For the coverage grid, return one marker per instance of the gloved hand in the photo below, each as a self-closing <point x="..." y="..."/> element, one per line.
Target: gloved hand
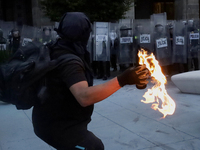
<point x="134" y="75"/>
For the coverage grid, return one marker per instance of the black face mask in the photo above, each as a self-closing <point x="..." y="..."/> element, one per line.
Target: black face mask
<point x="74" y="30"/>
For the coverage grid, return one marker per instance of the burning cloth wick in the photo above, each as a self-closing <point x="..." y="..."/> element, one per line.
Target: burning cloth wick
<point x="157" y="95"/>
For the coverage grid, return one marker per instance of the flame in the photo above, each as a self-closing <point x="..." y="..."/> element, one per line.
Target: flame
<point x="157" y="94"/>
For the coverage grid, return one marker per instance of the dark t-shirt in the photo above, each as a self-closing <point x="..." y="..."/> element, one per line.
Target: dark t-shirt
<point x="61" y="114"/>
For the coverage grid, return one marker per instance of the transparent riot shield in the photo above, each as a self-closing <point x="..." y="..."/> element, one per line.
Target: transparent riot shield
<point x="113" y="36"/>
<point x="7" y="27"/>
<point x="54" y="33"/>
<point x="179" y="54"/>
<point x="4" y="53"/>
<point x="47" y="34"/>
<point x="101" y="41"/>
<point x="160" y="18"/>
<point x="114" y="45"/>
<point x="90" y="46"/>
<point x="143" y="34"/>
<point x="125" y="55"/>
<point x="28" y="34"/>
<point x="162" y="44"/>
<point x="193" y="44"/>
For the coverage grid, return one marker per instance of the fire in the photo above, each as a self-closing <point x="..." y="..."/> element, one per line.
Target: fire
<point x="157" y="94"/>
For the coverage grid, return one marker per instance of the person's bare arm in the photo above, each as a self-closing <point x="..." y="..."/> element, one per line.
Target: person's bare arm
<point x="86" y="95"/>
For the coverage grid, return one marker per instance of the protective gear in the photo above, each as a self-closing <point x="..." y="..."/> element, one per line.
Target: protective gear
<point x="102" y="42"/>
<point x="47" y="28"/>
<point x="179" y="53"/>
<point x="142" y="37"/>
<point x="162" y="45"/>
<point x="193" y="44"/>
<point x="2" y="39"/>
<point x="46" y="35"/>
<point x="1" y="33"/>
<point x="138" y="76"/>
<point x="141" y="86"/>
<point x="74" y="31"/>
<point x="125" y="34"/>
<point x="28" y="34"/>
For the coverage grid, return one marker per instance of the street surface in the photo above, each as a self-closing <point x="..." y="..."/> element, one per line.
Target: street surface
<point x="122" y="121"/>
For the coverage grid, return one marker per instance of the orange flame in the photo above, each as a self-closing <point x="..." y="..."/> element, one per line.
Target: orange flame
<point x="157" y="94"/>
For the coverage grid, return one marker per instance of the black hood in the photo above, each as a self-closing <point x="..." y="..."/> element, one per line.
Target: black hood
<point x="75" y="27"/>
<point x="74" y="31"/>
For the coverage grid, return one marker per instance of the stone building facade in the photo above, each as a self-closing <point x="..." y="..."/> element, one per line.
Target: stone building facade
<point x="176" y="9"/>
<point x="28" y="11"/>
<point x="186" y="9"/>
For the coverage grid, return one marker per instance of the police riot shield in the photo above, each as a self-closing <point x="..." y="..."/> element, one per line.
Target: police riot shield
<point x="179" y="54"/>
<point x="114" y="39"/>
<point x="90" y="46"/>
<point x="101" y="41"/>
<point x="47" y="34"/>
<point x="162" y="44"/>
<point x="4" y="52"/>
<point x="54" y="33"/>
<point x="125" y="55"/>
<point x="3" y="31"/>
<point x="28" y="34"/>
<point x="142" y="34"/>
<point x="160" y="18"/>
<point x="113" y="33"/>
<point x="193" y="44"/>
<point x="7" y="27"/>
<point x="3" y="41"/>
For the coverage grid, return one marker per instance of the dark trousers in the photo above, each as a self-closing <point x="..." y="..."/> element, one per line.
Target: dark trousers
<point x="103" y="69"/>
<point x="90" y="142"/>
<point x="113" y="61"/>
<point x="195" y="63"/>
<point x="83" y="140"/>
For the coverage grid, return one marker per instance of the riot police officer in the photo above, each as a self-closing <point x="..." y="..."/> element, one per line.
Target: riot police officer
<point x="114" y="48"/>
<point x="2" y="39"/>
<point x="46" y="35"/>
<point x="14" y="40"/>
<point x="125" y="55"/>
<point x="3" y="49"/>
<point x="136" y="42"/>
<point x="162" y="48"/>
<point x="194" y="39"/>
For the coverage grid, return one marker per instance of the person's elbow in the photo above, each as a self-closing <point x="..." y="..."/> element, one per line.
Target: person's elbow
<point x="83" y="101"/>
<point x="81" y="93"/>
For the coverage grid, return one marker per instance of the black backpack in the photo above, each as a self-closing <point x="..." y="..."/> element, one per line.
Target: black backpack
<point x="22" y="78"/>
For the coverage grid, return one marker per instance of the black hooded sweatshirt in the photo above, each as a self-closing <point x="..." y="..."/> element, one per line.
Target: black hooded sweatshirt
<point x="61" y="117"/>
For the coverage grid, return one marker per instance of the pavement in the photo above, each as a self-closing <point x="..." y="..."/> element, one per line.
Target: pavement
<point x="121" y="121"/>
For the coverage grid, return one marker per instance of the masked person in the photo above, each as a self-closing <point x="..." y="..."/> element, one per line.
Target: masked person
<point x="61" y="121"/>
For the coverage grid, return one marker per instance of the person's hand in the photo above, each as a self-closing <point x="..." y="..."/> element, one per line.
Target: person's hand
<point x="134" y="75"/>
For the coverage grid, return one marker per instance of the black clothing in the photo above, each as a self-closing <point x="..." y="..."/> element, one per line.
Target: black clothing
<point x="15" y="44"/>
<point x="61" y="121"/>
<point x="62" y="117"/>
<point x="114" y="49"/>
